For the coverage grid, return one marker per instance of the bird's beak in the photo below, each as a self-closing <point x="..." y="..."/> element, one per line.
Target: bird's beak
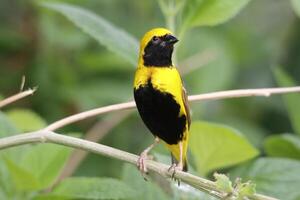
<point x="171" y="39"/>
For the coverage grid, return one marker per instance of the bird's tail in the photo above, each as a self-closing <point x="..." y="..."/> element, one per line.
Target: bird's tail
<point x="185" y="165"/>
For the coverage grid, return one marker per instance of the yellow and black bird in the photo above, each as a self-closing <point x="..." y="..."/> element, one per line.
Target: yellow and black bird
<point x="161" y="98"/>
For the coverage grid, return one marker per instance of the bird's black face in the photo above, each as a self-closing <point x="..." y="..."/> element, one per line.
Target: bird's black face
<point x="158" y="51"/>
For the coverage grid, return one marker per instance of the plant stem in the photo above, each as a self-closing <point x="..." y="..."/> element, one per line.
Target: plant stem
<point x="16" y="97"/>
<point x="44" y="136"/>
<point x="266" y="92"/>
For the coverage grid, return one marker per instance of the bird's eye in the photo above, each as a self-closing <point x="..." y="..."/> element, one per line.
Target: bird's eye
<point x="155" y="38"/>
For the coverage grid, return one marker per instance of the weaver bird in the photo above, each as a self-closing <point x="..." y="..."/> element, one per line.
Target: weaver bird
<point x="161" y="98"/>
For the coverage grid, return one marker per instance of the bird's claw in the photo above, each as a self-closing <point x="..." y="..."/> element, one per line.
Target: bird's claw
<point x="175" y="167"/>
<point x="142" y="165"/>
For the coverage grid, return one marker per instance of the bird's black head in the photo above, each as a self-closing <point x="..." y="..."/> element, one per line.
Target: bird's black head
<point x="158" y="51"/>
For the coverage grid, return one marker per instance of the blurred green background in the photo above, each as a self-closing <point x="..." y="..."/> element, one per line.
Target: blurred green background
<point x="257" y="46"/>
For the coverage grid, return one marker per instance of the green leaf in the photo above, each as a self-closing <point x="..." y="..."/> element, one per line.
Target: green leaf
<point x="26" y="120"/>
<point x="93" y="188"/>
<point x="6" y="181"/>
<point x="22" y="179"/>
<point x="65" y="37"/>
<point x="223" y="183"/>
<point x="114" y="38"/>
<point x="45" y="161"/>
<point x="216" y="146"/>
<point x="211" y="12"/>
<point x="221" y="65"/>
<point x="145" y="190"/>
<point x="251" y="130"/>
<point x="2" y="194"/>
<point x="87" y="95"/>
<point x="39" y="167"/>
<point x="291" y="100"/>
<point x="94" y="62"/>
<point x="246" y="190"/>
<point x="7" y="128"/>
<point x="296" y="6"/>
<point x="285" y="145"/>
<point x="273" y="176"/>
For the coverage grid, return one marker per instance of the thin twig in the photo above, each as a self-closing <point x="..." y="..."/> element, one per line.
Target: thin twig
<point x="162" y="169"/>
<point x="23" y="80"/>
<point x="90" y="113"/>
<point x="16" y="97"/>
<point x="265" y="92"/>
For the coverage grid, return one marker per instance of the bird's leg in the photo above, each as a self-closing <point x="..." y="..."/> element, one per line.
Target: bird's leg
<point x="144" y="155"/>
<point x="179" y="165"/>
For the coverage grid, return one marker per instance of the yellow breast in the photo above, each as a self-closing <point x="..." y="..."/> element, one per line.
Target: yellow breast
<point x="165" y="79"/>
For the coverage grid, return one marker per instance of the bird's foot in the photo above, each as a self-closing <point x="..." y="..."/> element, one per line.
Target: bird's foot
<point x="175" y="167"/>
<point x="142" y="165"/>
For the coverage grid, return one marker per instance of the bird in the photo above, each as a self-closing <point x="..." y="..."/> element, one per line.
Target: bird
<point x="161" y="98"/>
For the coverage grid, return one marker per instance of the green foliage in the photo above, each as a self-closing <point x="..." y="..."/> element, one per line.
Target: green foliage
<point x="92" y="188"/>
<point x="273" y="176"/>
<point x="6" y="126"/>
<point x="223" y="182"/>
<point x="296" y="6"/>
<point x="285" y="145"/>
<point x="144" y="189"/>
<point x="40" y="165"/>
<point x="22" y="179"/>
<point x="200" y="79"/>
<point x="212" y="12"/>
<point x="216" y="146"/>
<point x="291" y="100"/>
<point x="45" y="167"/>
<point x="26" y="120"/>
<point x="239" y="191"/>
<point x="104" y="32"/>
<point x="245" y="190"/>
<point x="74" y="73"/>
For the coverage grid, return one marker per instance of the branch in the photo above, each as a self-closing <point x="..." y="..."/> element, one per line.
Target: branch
<point x="162" y="169"/>
<point x="266" y="92"/>
<point x="16" y="97"/>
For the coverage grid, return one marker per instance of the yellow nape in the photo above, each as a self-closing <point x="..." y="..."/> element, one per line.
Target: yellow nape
<point x="153" y="32"/>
